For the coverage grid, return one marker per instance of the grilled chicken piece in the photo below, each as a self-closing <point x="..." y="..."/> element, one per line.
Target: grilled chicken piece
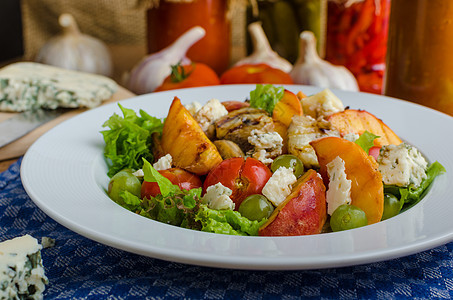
<point x="237" y="126"/>
<point x="303" y="130"/>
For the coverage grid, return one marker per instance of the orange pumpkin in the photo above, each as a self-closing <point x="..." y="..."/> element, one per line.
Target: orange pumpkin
<point x="255" y="73"/>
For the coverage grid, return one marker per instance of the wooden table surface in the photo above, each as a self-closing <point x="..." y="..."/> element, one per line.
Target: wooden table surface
<point x="4" y="165"/>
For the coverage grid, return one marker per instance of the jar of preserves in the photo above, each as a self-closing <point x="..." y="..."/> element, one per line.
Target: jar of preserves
<point x="284" y="20"/>
<point x="357" y="32"/>
<point x="169" y="19"/>
<point x="420" y="61"/>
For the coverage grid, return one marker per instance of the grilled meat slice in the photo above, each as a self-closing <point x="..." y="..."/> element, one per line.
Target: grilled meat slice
<point x="237" y="126"/>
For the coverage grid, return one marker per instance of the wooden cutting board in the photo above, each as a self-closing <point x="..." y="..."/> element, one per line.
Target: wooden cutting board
<point x="20" y="146"/>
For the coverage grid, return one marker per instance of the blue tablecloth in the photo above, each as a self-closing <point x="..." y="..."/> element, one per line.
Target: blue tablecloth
<point x="79" y="268"/>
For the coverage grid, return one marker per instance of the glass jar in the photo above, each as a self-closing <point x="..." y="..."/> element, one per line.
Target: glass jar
<point x="169" y="19"/>
<point x="284" y="20"/>
<point x="420" y="60"/>
<point x="357" y="32"/>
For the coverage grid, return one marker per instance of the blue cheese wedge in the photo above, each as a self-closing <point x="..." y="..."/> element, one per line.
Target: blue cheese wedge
<point x="402" y="165"/>
<point x="21" y="270"/>
<point x="26" y="85"/>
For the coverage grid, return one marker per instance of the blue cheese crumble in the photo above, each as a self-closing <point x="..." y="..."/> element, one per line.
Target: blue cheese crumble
<point x="164" y="163"/>
<point x="209" y="113"/>
<point x="279" y="186"/>
<point x="268" y="145"/>
<point x="26" y="85"/>
<point x="402" y="165"/>
<point x="217" y="196"/>
<point x="21" y="270"/>
<point x="339" y="189"/>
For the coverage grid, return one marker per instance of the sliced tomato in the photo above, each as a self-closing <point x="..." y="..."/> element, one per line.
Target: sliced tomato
<point x="180" y="177"/>
<point x="374" y="151"/>
<point x="244" y="177"/>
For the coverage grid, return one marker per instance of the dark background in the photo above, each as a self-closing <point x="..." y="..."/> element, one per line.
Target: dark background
<point x="10" y="30"/>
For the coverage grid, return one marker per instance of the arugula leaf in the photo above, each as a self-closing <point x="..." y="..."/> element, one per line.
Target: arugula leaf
<point x="128" y="139"/>
<point x="366" y="140"/>
<point x="266" y="97"/>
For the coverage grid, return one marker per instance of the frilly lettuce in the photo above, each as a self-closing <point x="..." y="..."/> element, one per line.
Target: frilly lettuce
<point x="183" y="208"/>
<point x="129" y="139"/>
<point x="226" y="222"/>
<point x="266" y="97"/>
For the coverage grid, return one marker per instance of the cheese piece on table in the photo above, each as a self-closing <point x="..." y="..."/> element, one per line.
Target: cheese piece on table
<point x="27" y="85"/>
<point x="21" y="270"/>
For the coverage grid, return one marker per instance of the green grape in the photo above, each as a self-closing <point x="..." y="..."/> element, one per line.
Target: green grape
<point x="289" y="161"/>
<point x="392" y="206"/>
<point x="123" y="181"/>
<point x="347" y="217"/>
<point x="256" y="207"/>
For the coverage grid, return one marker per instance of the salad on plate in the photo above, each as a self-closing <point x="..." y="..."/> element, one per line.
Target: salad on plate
<point x="276" y="164"/>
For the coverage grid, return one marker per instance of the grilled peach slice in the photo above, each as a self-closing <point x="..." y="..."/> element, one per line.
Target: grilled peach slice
<point x="357" y="121"/>
<point x="303" y="212"/>
<point x="367" y="191"/>
<point x="186" y="142"/>
<point x="283" y="112"/>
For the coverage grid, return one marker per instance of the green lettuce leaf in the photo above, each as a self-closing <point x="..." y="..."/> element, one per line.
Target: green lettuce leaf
<point x="151" y="175"/>
<point x="130" y="201"/>
<point x="266" y="97"/>
<point x="226" y="222"/>
<point x="182" y="208"/>
<point x="129" y="139"/>
<point x="366" y="140"/>
<point x="174" y="206"/>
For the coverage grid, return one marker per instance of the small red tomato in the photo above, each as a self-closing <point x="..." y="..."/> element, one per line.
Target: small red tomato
<point x="374" y="151"/>
<point x="255" y="73"/>
<point x="244" y="177"/>
<point x="185" y="180"/>
<point x="193" y="75"/>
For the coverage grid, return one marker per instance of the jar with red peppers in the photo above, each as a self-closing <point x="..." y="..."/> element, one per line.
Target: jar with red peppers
<point x="357" y="32"/>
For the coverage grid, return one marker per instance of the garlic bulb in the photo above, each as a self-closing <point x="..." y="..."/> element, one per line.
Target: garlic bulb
<point x="310" y="69"/>
<point x="262" y="51"/>
<point x="151" y="71"/>
<point x="75" y="51"/>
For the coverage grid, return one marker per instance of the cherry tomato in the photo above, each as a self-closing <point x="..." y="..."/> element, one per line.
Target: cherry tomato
<point x="193" y="75"/>
<point x="374" y="151"/>
<point x="255" y="73"/>
<point x="185" y="180"/>
<point x="244" y="177"/>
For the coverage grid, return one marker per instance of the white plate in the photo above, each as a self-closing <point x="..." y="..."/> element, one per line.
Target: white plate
<point x="64" y="173"/>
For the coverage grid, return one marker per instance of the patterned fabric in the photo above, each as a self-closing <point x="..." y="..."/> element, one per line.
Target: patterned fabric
<point x="79" y="268"/>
